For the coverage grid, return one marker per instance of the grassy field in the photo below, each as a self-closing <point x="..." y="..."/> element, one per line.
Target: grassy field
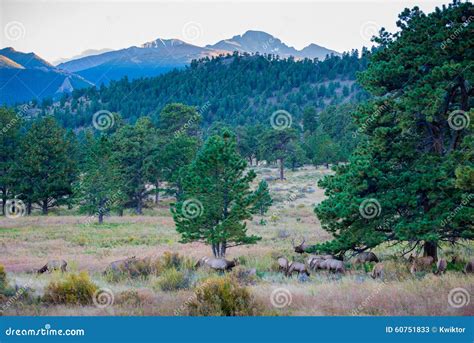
<point x="27" y="243"/>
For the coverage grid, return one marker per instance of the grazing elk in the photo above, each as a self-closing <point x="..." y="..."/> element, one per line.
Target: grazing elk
<point x="441" y="266"/>
<point x="420" y="263"/>
<point x="126" y="265"/>
<point x="335" y="266"/>
<point x="297" y="267"/>
<point x="218" y="264"/>
<point x="301" y="248"/>
<point x="378" y="271"/>
<point x="469" y="267"/>
<point x="366" y="256"/>
<point x="283" y="265"/>
<point x="53" y="265"/>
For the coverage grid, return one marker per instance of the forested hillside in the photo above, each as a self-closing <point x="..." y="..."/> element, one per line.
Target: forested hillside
<point x="237" y="90"/>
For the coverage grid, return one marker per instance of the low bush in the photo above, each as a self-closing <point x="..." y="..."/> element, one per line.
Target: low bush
<point x="173" y="280"/>
<point x="76" y="289"/>
<point x="245" y="276"/>
<point x="222" y="296"/>
<point x="5" y="289"/>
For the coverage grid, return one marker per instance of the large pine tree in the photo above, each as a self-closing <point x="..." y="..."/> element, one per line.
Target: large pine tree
<point x="217" y="199"/>
<point x="411" y="179"/>
<point x="45" y="169"/>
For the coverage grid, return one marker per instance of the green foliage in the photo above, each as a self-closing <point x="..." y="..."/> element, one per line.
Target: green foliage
<point x="277" y="145"/>
<point x="264" y="200"/>
<point x="74" y="289"/>
<point x="217" y="199"/>
<point x="222" y="297"/>
<point x="99" y="186"/>
<point x="132" y="147"/>
<point x="411" y="159"/>
<point x="254" y="87"/>
<point x="10" y="124"/>
<point x="173" y="280"/>
<point x="45" y="169"/>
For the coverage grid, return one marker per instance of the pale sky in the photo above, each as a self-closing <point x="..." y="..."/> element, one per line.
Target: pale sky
<point x="61" y="29"/>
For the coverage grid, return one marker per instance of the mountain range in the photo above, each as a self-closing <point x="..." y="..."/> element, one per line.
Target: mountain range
<point x="24" y="76"/>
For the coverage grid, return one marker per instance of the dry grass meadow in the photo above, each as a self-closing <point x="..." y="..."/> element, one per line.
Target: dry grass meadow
<point x="27" y="243"/>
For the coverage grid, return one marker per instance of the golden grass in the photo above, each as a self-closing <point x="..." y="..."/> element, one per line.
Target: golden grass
<point x="27" y="243"/>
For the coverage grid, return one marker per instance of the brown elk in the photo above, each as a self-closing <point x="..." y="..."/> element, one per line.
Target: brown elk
<point x="378" y="271"/>
<point x="127" y="265"/>
<point x="420" y="263"/>
<point x="53" y="265"/>
<point x="301" y="248"/>
<point x="366" y="256"/>
<point x="441" y="266"/>
<point x="335" y="266"/>
<point x="469" y="267"/>
<point x="283" y="264"/>
<point x="218" y="264"/>
<point x="297" y="267"/>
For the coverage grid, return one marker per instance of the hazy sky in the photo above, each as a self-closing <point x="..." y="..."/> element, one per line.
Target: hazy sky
<point x="58" y="29"/>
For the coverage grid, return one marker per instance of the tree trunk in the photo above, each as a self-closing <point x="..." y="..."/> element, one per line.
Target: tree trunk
<point x="157" y="194"/>
<point x="120" y="212"/>
<point x="282" y="176"/>
<point x="101" y="217"/>
<point x="4" y="201"/>
<point x="223" y="249"/>
<point x="250" y="161"/>
<point x="28" y="208"/>
<point x="45" y="207"/>
<point x="139" y="208"/>
<point x="430" y="248"/>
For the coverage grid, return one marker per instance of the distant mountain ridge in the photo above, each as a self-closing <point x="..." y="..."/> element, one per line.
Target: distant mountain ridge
<point x="262" y="42"/>
<point x="25" y="76"/>
<point x="161" y="55"/>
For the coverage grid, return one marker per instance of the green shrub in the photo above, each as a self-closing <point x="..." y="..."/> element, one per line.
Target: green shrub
<point x="173" y="280"/>
<point x="75" y="289"/>
<point x="222" y="297"/>
<point x="174" y="260"/>
<point x="3" y="278"/>
<point x="5" y="289"/>
<point x="245" y="276"/>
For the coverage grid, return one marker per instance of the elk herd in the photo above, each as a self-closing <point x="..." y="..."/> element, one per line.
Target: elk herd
<point x="312" y="263"/>
<point x="334" y="264"/>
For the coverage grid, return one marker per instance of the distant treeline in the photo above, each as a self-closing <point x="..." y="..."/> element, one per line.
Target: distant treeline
<point x="238" y="90"/>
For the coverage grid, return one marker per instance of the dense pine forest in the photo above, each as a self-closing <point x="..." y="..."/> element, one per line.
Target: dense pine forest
<point x="234" y="89"/>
